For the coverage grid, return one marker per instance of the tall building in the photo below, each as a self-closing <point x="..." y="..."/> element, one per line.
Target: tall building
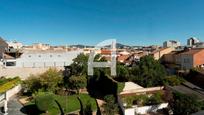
<point x="192" y="41"/>
<point x="171" y="43"/>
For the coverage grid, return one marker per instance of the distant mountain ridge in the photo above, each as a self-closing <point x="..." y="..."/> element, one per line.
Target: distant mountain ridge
<point x="118" y="45"/>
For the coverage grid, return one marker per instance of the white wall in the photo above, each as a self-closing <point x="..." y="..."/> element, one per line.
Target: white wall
<point x="153" y="108"/>
<point x="46" y="59"/>
<point x="144" y="109"/>
<point x="129" y="111"/>
<point x="13" y="91"/>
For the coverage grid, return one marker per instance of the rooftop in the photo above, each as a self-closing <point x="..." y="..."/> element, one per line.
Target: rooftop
<point x="131" y="86"/>
<point x="193" y="51"/>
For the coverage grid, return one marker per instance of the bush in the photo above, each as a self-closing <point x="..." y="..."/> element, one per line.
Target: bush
<point x="185" y="104"/>
<point x="47" y="81"/>
<point x="173" y="80"/>
<point x="9" y="83"/>
<point x="155" y="99"/>
<point x="110" y="107"/>
<point x="88" y="109"/>
<point x="44" y="101"/>
<point x="120" y="87"/>
<point x="77" y="82"/>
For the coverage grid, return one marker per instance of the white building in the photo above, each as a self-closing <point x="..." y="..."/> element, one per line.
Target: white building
<point x="192" y="41"/>
<point x="41" y="46"/>
<point x="171" y="43"/>
<point x="42" y="59"/>
<point x="15" y="45"/>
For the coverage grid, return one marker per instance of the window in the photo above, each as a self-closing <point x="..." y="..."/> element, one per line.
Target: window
<point x="59" y="55"/>
<point x="186" y="60"/>
<point x="29" y="56"/>
<point x="39" y="56"/>
<point x="50" y="55"/>
<point x="10" y="63"/>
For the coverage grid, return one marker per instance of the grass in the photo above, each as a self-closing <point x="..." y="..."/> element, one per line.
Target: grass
<point x="121" y="85"/>
<point x="69" y="103"/>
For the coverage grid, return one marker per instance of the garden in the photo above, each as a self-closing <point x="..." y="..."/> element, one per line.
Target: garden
<point x="143" y="99"/>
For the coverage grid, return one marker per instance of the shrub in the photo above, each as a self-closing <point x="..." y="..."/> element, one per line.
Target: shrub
<point x="47" y="81"/>
<point x="44" y="101"/>
<point x="9" y="83"/>
<point x="185" y="104"/>
<point x="120" y="87"/>
<point x="88" y="109"/>
<point x="77" y="82"/>
<point x="110" y="107"/>
<point x="173" y="80"/>
<point x="155" y="99"/>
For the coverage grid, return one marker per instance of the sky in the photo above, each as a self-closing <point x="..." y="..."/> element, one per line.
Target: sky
<point x="131" y="22"/>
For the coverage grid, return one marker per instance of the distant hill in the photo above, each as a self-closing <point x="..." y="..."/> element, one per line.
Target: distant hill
<point x="118" y="45"/>
<point x="81" y="46"/>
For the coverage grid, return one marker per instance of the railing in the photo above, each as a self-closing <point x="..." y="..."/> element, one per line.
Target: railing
<point x="2" y="97"/>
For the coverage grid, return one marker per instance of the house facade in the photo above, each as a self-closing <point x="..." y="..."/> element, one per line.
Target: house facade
<point x="186" y="59"/>
<point x="157" y="54"/>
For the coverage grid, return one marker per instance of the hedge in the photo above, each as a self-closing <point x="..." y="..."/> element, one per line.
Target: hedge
<point x="9" y="84"/>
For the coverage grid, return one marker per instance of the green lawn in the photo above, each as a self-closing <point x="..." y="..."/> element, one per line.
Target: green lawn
<point x="70" y="103"/>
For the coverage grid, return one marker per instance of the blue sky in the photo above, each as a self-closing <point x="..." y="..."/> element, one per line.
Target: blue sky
<point x="133" y="22"/>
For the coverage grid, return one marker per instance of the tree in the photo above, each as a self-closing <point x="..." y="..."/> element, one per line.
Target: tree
<point x="148" y="72"/>
<point x="50" y="80"/>
<point x="79" y="65"/>
<point x="77" y="82"/>
<point x="110" y="107"/>
<point x="184" y="104"/>
<point x="32" y="84"/>
<point x="47" y="81"/>
<point x="173" y="80"/>
<point x="66" y="75"/>
<point x="122" y="73"/>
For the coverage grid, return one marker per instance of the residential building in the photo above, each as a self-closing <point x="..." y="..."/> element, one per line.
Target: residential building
<point x="192" y="41"/>
<point x="157" y="54"/>
<point x="192" y="58"/>
<point x="186" y="59"/>
<point x="15" y="45"/>
<point x="200" y="45"/>
<point x="171" y="43"/>
<point x="40" y="46"/>
<point x="3" y="47"/>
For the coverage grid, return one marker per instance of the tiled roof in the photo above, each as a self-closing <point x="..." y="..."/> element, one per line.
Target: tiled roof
<point x="192" y="51"/>
<point x="122" y="57"/>
<point x="6" y="56"/>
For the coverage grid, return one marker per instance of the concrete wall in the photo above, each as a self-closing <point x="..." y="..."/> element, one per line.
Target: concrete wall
<point x="40" y="59"/>
<point x="13" y="91"/>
